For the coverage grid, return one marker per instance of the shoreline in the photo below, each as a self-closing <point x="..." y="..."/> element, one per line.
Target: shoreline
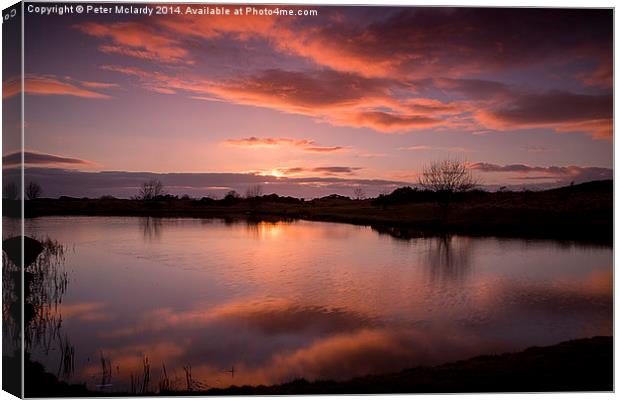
<point x="574" y="365"/>
<point x="580" y="213"/>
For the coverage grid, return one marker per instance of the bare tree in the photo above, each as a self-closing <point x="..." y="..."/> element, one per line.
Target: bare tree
<point x="232" y="195"/>
<point x="446" y="178"/>
<point x="10" y="191"/>
<point x="33" y="191"/>
<point x="359" y="194"/>
<point x="151" y="189"/>
<point x="254" y="192"/>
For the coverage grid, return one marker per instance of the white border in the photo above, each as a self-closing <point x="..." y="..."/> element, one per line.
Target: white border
<point x="490" y="3"/>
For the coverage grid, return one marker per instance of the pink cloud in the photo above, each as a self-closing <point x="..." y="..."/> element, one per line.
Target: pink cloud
<point x="300" y="144"/>
<point x="99" y="85"/>
<point x="47" y="86"/>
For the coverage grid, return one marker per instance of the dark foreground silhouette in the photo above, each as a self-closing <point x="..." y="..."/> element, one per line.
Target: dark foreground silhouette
<point x="577" y="365"/>
<point x="582" y="212"/>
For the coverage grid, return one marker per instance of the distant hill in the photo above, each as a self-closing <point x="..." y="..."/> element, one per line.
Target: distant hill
<point x="606" y="185"/>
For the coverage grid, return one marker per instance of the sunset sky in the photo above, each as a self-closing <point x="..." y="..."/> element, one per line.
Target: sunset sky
<point x="316" y="104"/>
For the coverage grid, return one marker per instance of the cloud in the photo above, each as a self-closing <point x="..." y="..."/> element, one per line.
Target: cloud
<point x="99" y="85"/>
<point x="476" y="89"/>
<point x="559" y="110"/>
<point x="322" y="171"/>
<point x="136" y="39"/>
<point x="307" y="93"/>
<point x="35" y="158"/>
<point x="275" y="316"/>
<point x="359" y="71"/>
<point x="306" y="183"/>
<point x="334" y="97"/>
<point x="332" y="149"/>
<point x="46" y="86"/>
<point x="536" y="149"/>
<point x="439" y="41"/>
<point x="86" y="312"/>
<point x="301" y="144"/>
<point x="416" y="148"/>
<point x="559" y="174"/>
<point x="389" y="122"/>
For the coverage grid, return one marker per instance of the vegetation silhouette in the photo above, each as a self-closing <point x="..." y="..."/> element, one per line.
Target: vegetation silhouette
<point x="580" y="212"/>
<point x="446" y="178"/>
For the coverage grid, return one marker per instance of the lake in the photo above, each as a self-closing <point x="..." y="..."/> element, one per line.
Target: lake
<point x="226" y="303"/>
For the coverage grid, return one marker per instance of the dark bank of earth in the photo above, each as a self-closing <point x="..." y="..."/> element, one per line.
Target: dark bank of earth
<point x="581" y="212"/>
<point x="576" y="365"/>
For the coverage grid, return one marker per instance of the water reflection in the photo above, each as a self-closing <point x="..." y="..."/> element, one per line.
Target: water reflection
<point x="45" y="283"/>
<point x="214" y="303"/>
<point x="151" y="228"/>
<point x="449" y="258"/>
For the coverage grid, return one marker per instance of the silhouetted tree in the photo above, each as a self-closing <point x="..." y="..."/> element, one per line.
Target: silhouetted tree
<point x="33" y="191"/>
<point x="446" y="178"/>
<point x="231" y="197"/>
<point x="253" y="192"/>
<point x="10" y="191"/>
<point x="359" y="194"/>
<point x="151" y="189"/>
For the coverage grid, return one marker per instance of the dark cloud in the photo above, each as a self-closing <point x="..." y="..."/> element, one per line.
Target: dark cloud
<point x="31" y="157"/>
<point x="63" y="182"/>
<point x="561" y="110"/>
<point x="323" y="171"/>
<point x="457" y="41"/>
<point x="383" y="121"/>
<point x="559" y="174"/>
<point x="478" y="89"/>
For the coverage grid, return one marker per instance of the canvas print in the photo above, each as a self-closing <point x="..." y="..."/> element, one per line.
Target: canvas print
<point x="254" y="199"/>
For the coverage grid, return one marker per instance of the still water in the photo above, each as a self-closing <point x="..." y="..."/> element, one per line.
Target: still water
<point x="260" y="303"/>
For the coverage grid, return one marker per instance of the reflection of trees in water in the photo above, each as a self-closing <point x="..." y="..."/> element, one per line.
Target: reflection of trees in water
<point x="45" y="283"/>
<point x="43" y="294"/>
<point x="258" y="228"/>
<point x="449" y="258"/>
<point x="151" y="228"/>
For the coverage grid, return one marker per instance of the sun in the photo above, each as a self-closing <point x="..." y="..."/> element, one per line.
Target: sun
<point x="276" y="172"/>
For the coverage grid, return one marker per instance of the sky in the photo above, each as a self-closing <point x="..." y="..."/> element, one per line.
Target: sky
<point x="312" y="105"/>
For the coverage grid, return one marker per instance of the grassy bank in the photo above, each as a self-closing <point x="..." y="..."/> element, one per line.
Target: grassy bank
<point x="581" y="212"/>
<point x="577" y="365"/>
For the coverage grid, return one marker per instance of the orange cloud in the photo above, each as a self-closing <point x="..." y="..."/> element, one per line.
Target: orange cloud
<point x="366" y="75"/>
<point x="389" y="122"/>
<point x="136" y="39"/>
<point x="334" y="97"/>
<point x="447" y="42"/>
